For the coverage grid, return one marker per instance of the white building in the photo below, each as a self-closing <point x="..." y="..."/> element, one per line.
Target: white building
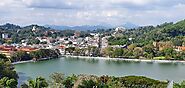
<point x="4" y="36"/>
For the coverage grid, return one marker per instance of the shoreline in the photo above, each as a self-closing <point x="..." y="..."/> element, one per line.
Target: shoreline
<point x="20" y="62"/>
<point x="127" y="59"/>
<point x="107" y="58"/>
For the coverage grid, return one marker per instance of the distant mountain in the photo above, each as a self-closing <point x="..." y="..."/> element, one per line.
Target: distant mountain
<point x="9" y="26"/>
<point x="81" y="28"/>
<point x="127" y="25"/>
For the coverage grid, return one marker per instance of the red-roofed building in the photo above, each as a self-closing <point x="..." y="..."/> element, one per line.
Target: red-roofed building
<point x="180" y="48"/>
<point x="27" y="49"/>
<point x="61" y="48"/>
<point x="7" y="50"/>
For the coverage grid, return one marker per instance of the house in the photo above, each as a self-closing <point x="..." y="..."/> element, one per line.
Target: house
<point x="27" y="49"/>
<point x="61" y="48"/>
<point x="180" y="48"/>
<point x="162" y="45"/>
<point x="7" y="50"/>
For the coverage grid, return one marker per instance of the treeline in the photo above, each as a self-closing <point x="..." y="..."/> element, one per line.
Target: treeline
<point x="145" y="52"/>
<point x="88" y="51"/>
<point x="58" y="80"/>
<point x="34" y="55"/>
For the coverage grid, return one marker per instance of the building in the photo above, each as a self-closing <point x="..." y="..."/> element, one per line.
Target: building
<point x="180" y="48"/>
<point x="34" y="29"/>
<point x="120" y="29"/>
<point x="27" y="49"/>
<point x="61" y="48"/>
<point x="5" y="36"/>
<point x="7" y="50"/>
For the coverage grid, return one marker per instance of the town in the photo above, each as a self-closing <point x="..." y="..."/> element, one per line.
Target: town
<point x="97" y="43"/>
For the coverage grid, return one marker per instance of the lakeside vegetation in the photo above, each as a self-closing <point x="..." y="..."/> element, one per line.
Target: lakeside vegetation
<point x="8" y="75"/>
<point x="34" y="55"/>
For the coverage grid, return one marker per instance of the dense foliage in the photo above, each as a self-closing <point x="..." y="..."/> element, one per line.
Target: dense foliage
<point x="17" y="33"/>
<point x="35" y="55"/>
<point x="146" y="35"/>
<point x="179" y="85"/>
<point x="8" y="76"/>
<point x="167" y="36"/>
<point x="58" y="80"/>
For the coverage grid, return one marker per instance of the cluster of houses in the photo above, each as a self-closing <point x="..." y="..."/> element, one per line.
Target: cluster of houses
<point x="60" y="43"/>
<point x="163" y="45"/>
<point x="8" y="50"/>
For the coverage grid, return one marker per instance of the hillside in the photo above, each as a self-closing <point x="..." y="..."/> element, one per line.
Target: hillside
<point x="174" y="32"/>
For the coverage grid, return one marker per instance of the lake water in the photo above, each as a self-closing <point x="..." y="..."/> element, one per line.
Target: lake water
<point x="68" y="66"/>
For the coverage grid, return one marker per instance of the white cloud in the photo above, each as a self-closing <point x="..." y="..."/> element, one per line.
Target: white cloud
<point x="81" y="12"/>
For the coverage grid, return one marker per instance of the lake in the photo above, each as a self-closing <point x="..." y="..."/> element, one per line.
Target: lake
<point x="69" y="66"/>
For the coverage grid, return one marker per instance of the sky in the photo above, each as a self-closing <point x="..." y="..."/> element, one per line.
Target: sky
<point x="91" y="12"/>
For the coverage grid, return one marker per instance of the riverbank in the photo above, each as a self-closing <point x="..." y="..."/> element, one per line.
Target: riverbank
<point x="20" y="62"/>
<point x="127" y="59"/>
<point x="107" y="58"/>
<point x="28" y="61"/>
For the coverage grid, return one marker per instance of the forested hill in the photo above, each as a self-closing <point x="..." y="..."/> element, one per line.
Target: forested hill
<point x="141" y="36"/>
<point x="9" y="26"/>
<point x="177" y="29"/>
<point x="29" y="33"/>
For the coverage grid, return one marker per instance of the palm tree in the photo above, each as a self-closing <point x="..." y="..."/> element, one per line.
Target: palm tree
<point x="57" y="80"/>
<point x="39" y="82"/>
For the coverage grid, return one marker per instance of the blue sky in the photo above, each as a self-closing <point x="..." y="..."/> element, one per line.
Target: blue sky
<point x="91" y="12"/>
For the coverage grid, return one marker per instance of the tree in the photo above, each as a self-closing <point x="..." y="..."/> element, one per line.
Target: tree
<point x="69" y="81"/>
<point x="88" y="84"/>
<point x="7" y="70"/>
<point x="108" y="51"/>
<point x="180" y="85"/>
<point x="131" y="47"/>
<point x="12" y="83"/>
<point x="20" y="56"/>
<point x="137" y="52"/>
<point x="57" y="80"/>
<point x="169" y="52"/>
<point x="177" y="42"/>
<point x="4" y="58"/>
<point x="149" y="49"/>
<point x="39" y="82"/>
<point x="141" y="82"/>
<point x="24" y="85"/>
<point x="8" y="83"/>
<point x="118" y="52"/>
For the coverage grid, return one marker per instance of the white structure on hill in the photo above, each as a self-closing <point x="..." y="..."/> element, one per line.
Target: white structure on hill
<point x="34" y="28"/>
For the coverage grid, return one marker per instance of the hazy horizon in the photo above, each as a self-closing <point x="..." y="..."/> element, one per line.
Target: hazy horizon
<point x="91" y="12"/>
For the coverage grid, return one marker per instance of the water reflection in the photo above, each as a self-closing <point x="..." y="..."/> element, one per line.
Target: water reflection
<point x="91" y="61"/>
<point x="22" y="78"/>
<point x="119" y="62"/>
<point x="168" y="64"/>
<point x="150" y="62"/>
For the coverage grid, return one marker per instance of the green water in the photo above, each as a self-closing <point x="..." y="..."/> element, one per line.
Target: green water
<point x="68" y="66"/>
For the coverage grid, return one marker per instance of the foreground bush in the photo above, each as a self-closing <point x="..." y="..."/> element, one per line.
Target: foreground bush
<point x="58" y="80"/>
